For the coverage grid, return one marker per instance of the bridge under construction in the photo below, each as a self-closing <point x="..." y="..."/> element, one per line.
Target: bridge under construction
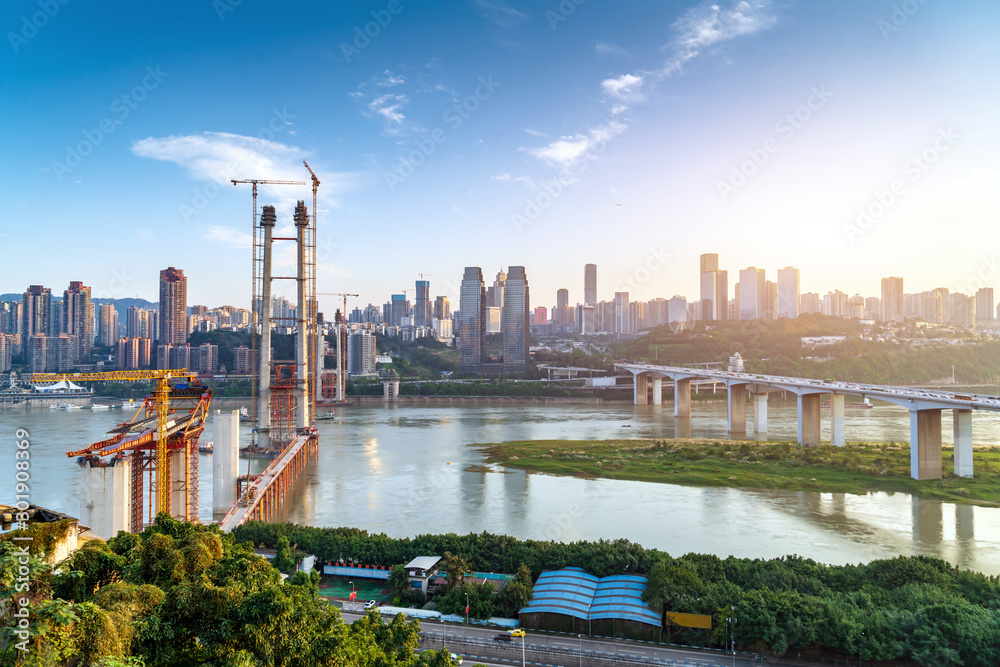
<point x="150" y="465"/>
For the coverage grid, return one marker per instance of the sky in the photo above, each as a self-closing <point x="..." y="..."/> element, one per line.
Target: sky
<point x="854" y="140"/>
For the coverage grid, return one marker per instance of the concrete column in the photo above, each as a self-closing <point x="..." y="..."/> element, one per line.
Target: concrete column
<point x="302" y="417"/>
<point x="760" y="413"/>
<point x="682" y="398"/>
<point x="104" y="496"/>
<point x="809" y="429"/>
<point x="178" y="482"/>
<point x="268" y="219"/>
<point x="737" y="399"/>
<point x="962" y="421"/>
<point x="657" y="391"/>
<point x="225" y="460"/>
<point x="925" y="444"/>
<point x="682" y="427"/>
<point x="640" y="387"/>
<point x="837" y="420"/>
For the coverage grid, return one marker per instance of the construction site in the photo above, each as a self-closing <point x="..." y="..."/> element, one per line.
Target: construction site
<point x="150" y="464"/>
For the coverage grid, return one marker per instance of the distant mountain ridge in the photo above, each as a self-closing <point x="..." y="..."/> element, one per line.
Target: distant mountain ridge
<point x="121" y="305"/>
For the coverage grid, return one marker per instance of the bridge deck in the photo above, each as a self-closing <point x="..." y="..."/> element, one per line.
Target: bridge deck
<point x="243" y="510"/>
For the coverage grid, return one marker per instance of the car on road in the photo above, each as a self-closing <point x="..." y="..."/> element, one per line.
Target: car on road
<point x="371" y="603"/>
<point x="455" y="658"/>
<point x="502" y="637"/>
<point x="516" y="632"/>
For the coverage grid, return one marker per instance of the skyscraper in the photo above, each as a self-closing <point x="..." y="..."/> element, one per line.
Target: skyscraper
<point x="398" y="309"/>
<point x="590" y="284"/>
<point x="137" y="323"/>
<point x="77" y="319"/>
<point x="498" y="289"/>
<point x="892" y="300"/>
<point x="561" y="315"/>
<point x="108" y="324"/>
<point x="422" y="314"/>
<point x="173" y="307"/>
<point x="472" y="321"/>
<point x="623" y="318"/>
<point x="442" y="308"/>
<point x="788" y="292"/>
<point x="515" y="319"/>
<point x="714" y="288"/>
<point x="984" y="304"/>
<point x="752" y="293"/>
<point x="36" y="313"/>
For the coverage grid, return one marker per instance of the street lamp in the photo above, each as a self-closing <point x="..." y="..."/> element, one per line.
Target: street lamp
<point x="444" y="632"/>
<point x="580" y="637"/>
<point x="732" y="632"/>
<point x="522" y="651"/>
<point x="466" y="608"/>
<point x="352" y="591"/>
<point x="859" y="647"/>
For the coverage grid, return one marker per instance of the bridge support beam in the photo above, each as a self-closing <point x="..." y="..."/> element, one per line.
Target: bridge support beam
<point x="837" y="420"/>
<point x="962" y="421"/>
<point x="809" y="429"/>
<point x="760" y="413"/>
<point x="682" y="398"/>
<point x="737" y="412"/>
<point x="657" y="391"/>
<point x="925" y="444"/>
<point x="640" y="388"/>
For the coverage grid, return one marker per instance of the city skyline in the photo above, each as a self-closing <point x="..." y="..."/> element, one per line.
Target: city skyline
<point x="783" y="126"/>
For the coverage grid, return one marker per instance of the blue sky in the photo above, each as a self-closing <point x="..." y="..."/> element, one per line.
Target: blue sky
<point x="635" y="135"/>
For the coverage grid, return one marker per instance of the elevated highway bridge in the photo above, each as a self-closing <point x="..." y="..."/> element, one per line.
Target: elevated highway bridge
<point x="924" y="405"/>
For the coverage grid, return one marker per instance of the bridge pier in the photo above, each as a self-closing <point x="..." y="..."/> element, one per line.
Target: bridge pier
<point x="809" y="423"/>
<point x="837" y="420"/>
<point x="682" y="398"/>
<point x="925" y="444"/>
<point x="657" y="391"/>
<point x="760" y="413"/>
<point x="640" y="388"/>
<point x="962" y="421"/>
<point x="737" y="399"/>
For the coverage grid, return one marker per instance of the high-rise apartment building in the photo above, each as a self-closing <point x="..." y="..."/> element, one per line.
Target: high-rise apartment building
<point x="788" y="292"/>
<point x="677" y="309"/>
<point x="399" y="308"/>
<point x="984" y="304"/>
<point x="752" y="293"/>
<point x="173" y="307"/>
<point x="809" y="302"/>
<point x="714" y="297"/>
<point x="515" y="320"/>
<point x="623" y="314"/>
<point x="472" y="321"/>
<point x="892" y="300"/>
<point x="561" y="315"/>
<point x="137" y="323"/>
<point x="36" y="314"/>
<point x="422" y="313"/>
<point x="360" y="353"/>
<point x="590" y="284"/>
<point x="78" y="319"/>
<point x="442" y="308"/>
<point x="243" y="359"/>
<point x="108" y="324"/>
<point x="770" y="300"/>
<point x="493" y="319"/>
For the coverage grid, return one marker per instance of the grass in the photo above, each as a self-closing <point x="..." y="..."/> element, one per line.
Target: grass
<point x="857" y="468"/>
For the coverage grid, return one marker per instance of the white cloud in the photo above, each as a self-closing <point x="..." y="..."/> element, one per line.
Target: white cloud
<point x="565" y="150"/>
<point x="220" y="156"/>
<point x="608" y="49"/>
<point x="625" y="87"/>
<point x="710" y="24"/>
<point x="388" y="106"/>
<point x="507" y="178"/>
<point x="229" y="236"/>
<point x="503" y="16"/>
<point x="390" y="80"/>
<point x="536" y="133"/>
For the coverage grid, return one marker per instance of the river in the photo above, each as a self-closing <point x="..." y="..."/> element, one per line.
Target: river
<point x="402" y="470"/>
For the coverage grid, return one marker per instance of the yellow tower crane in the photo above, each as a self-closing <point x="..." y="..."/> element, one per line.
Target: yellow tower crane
<point x="161" y="402"/>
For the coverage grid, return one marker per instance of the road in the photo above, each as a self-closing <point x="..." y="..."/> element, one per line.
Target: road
<point x="566" y="649"/>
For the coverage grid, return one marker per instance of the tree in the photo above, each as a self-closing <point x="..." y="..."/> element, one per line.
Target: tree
<point x="456" y="566"/>
<point x="398" y="581"/>
<point x="283" y="560"/>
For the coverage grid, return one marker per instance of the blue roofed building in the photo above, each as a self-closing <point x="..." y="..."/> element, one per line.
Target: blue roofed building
<point x="572" y="600"/>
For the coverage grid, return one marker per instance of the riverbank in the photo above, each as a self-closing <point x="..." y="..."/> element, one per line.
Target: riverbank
<point x="858" y="468"/>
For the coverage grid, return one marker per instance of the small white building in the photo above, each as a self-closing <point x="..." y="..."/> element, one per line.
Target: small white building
<point x="420" y="570"/>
